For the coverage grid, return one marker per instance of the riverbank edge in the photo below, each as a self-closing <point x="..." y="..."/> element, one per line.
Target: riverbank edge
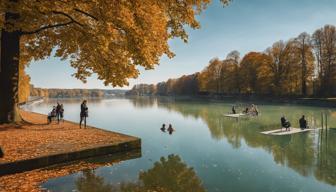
<point x="309" y="101"/>
<point x="129" y="144"/>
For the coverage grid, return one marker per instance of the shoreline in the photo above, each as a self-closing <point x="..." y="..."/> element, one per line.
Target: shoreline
<point x="36" y="144"/>
<point x="308" y="101"/>
<point x="33" y="180"/>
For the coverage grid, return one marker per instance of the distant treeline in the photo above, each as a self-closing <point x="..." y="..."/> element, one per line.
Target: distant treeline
<point x="74" y="93"/>
<point x="185" y="85"/>
<point x="302" y="66"/>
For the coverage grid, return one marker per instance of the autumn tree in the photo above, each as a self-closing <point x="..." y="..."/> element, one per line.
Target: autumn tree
<point x="221" y="76"/>
<point x="296" y="67"/>
<point x="227" y="76"/>
<point x="186" y="85"/>
<point x="305" y="54"/>
<point x="24" y="86"/>
<point x="324" y="42"/>
<point x="277" y="67"/>
<point x="210" y="76"/>
<point x="232" y="62"/>
<point x="161" y="88"/>
<point x="291" y="81"/>
<point x="255" y="79"/>
<point x="107" y="37"/>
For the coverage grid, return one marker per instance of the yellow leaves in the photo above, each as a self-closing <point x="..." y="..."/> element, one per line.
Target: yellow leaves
<point x="108" y="37"/>
<point x="284" y="69"/>
<point x="24" y="86"/>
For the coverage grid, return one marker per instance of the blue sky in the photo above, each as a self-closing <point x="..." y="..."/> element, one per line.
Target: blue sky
<point x="245" y="25"/>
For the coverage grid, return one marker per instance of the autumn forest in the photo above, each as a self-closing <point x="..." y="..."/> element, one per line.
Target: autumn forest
<point x="301" y="66"/>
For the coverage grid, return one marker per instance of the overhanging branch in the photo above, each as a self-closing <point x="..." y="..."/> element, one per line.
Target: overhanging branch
<point x="72" y="20"/>
<point x="86" y="14"/>
<point x="68" y="16"/>
<point x="46" y="27"/>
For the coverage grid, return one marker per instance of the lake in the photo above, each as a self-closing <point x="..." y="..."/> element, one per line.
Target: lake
<point x="207" y="152"/>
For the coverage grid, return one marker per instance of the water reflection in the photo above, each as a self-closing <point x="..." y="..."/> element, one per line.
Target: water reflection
<point x="326" y="157"/>
<point x="87" y="181"/>
<point x="227" y="153"/>
<point x="143" y="102"/>
<point x="90" y="182"/>
<point x="169" y="174"/>
<point x="307" y="153"/>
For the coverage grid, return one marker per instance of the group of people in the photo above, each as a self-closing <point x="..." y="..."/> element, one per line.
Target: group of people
<point x="287" y="125"/>
<point x="57" y="112"/>
<point x="170" y="129"/>
<point x="251" y="110"/>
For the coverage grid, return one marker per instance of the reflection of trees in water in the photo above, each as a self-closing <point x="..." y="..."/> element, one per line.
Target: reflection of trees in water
<point x="185" y="111"/>
<point x="90" y="182"/>
<point x="143" y="102"/>
<point x="326" y="157"/>
<point x="169" y="174"/>
<point x="300" y="152"/>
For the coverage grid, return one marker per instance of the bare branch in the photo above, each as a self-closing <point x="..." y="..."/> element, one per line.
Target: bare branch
<point x="68" y="16"/>
<point x="87" y="14"/>
<point x="72" y="20"/>
<point x="46" y="27"/>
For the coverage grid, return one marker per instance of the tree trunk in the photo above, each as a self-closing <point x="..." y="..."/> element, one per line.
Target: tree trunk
<point x="9" y="76"/>
<point x="304" y="73"/>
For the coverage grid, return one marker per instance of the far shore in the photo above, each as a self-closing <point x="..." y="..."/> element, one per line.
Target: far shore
<point x="307" y="101"/>
<point x="329" y="102"/>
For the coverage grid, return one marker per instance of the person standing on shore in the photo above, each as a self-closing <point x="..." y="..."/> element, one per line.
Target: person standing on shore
<point x="84" y="113"/>
<point x="62" y="113"/>
<point x="58" y="112"/>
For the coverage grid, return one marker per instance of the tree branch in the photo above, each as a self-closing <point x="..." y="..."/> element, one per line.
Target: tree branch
<point x="46" y="27"/>
<point x="68" y="16"/>
<point x="72" y="20"/>
<point x="81" y="11"/>
<point x="87" y="14"/>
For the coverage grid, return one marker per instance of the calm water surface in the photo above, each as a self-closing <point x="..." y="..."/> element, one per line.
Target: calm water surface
<point x="207" y="152"/>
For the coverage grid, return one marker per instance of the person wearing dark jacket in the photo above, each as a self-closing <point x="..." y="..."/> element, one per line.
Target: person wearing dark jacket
<point x="62" y="113"/>
<point x="170" y="129"/>
<point x="163" y="128"/>
<point x="303" y="122"/>
<point x="58" y="112"/>
<point x="233" y="110"/>
<point x="285" y="123"/>
<point x="52" y="114"/>
<point x="84" y="113"/>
